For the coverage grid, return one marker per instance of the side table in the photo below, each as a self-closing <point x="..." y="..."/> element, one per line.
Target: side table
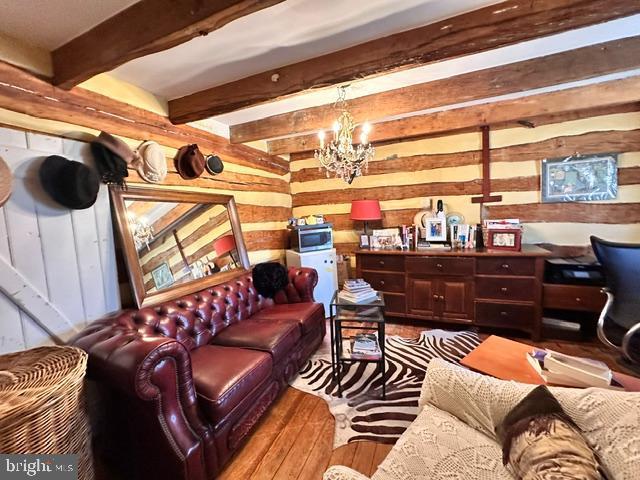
<point x="356" y="316"/>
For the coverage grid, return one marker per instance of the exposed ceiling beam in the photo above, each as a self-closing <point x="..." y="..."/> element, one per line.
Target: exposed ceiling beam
<point x="484" y="29"/>
<point x="24" y="93"/>
<point x="146" y="27"/>
<point x="579" y="64"/>
<point x="600" y="95"/>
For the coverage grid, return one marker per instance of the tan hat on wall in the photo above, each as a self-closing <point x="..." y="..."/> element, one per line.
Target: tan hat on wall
<point x="152" y="166"/>
<point x="6" y="180"/>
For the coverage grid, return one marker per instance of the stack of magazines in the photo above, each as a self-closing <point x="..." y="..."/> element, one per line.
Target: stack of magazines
<point x="365" y="346"/>
<point x="357" y="291"/>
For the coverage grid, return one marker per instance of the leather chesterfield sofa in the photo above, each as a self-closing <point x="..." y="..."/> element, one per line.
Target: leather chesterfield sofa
<point x="182" y="383"/>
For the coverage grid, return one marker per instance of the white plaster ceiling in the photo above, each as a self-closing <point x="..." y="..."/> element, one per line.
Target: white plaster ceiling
<point x="615" y="29"/>
<point x="49" y="24"/>
<point x="286" y="33"/>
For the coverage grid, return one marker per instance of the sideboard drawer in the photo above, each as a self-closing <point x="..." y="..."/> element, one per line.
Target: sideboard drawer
<point x="395" y="303"/>
<point x="387" y="282"/>
<point x="507" y="266"/>
<point x="440" y="265"/>
<point x="505" y="315"/>
<point x="506" y="288"/>
<point x="394" y="263"/>
<point x="581" y="298"/>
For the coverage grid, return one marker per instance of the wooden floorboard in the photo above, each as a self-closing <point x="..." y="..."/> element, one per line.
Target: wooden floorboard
<point x="295" y="439"/>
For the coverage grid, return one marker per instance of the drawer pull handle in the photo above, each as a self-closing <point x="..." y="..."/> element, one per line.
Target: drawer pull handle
<point x="439" y="265"/>
<point x="505" y="266"/>
<point x="381" y="282"/>
<point x="504" y="314"/>
<point x="435" y="297"/>
<point x="441" y="298"/>
<point x="578" y="299"/>
<point x="381" y="263"/>
<point x="504" y="289"/>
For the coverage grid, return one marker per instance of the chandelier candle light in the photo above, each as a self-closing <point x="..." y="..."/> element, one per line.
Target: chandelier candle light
<point x="339" y="155"/>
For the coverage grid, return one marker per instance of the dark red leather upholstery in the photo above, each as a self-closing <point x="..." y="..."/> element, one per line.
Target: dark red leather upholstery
<point x="225" y="376"/>
<point x="307" y="315"/>
<point x="192" y="399"/>
<point x="276" y="338"/>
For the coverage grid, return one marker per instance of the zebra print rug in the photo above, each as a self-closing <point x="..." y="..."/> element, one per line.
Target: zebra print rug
<point x="361" y="414"/>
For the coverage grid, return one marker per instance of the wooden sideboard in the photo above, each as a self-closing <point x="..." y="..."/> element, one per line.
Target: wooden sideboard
<point x="477" y="287"/>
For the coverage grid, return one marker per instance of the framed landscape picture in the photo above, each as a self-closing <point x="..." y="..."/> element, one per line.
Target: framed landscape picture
<point x="162" y="276"/>
<point x="580" y="178"/>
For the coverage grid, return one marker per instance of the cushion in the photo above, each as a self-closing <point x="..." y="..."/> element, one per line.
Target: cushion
<point x="276" y="338"/>
<point x="609" y="420"/>
<point x="439" y="446"/>
<point x="309" y="316"/>
<point x="224" y="377"/>
<point x="540" y="441"/>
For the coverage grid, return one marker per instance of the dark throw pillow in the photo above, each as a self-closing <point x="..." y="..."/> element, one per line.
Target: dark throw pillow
<point x="269" y="278"/>
<point x="540" y="441"/>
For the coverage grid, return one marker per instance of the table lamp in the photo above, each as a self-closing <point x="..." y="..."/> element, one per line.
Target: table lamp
<point x="224" y="245"/>
<point x="365" y="210"/>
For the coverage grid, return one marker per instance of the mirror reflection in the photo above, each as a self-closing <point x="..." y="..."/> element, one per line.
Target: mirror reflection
<point x="180" y="242"/>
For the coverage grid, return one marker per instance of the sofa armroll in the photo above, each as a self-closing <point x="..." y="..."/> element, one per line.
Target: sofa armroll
<point x="152" y="369"/>
<point x="302" y="281"/>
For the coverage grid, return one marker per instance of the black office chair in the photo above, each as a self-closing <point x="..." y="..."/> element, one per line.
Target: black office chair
<point x="619" y="322"/>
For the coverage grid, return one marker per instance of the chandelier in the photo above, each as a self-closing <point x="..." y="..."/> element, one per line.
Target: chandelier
<point x="339" y="155"/>
<point x="142" y="232"/>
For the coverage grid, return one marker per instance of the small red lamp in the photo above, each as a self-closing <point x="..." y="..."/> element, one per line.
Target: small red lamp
<point x="224" y="245"/>
<point x="365" y="210"/>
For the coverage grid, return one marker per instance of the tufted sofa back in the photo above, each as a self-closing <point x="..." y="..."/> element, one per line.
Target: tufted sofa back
<point x="195" y="319"/>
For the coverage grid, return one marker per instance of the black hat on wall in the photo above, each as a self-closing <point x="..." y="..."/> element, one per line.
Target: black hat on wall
<point x="71" y="184"/>
<point x="214" y="164"/>
<point x="111" y="167"/>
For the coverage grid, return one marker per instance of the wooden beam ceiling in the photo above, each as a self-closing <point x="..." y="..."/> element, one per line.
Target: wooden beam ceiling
<point x="529" y="108"/>
<point x="146" y="27"/>
<point x="24" y="93"/>
<point x="484" y="29"/>
<point x="579" y="64"/>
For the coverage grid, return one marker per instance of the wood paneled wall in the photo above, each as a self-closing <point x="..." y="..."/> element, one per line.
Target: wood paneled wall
<point x="405" y="175"/>
<point x="58" y="265"/>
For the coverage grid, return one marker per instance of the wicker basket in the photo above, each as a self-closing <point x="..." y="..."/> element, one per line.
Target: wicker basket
<point x="42" y="404"/>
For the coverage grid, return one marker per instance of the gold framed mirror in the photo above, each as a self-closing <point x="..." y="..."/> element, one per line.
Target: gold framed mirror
<point x="177" y="242"/>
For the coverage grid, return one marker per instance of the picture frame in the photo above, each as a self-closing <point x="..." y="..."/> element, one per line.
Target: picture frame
<point x="579" y="178"/>
<point x="364" y="241"/>
<point x="509" y="239"/>
<point x="162" y="276"/>
<point x="436" y="229"/>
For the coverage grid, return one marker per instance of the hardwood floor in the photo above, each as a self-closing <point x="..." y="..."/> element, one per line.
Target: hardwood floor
<point x="295" y="438"/>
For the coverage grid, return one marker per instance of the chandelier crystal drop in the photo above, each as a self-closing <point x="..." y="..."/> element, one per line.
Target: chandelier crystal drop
<point x="339" y="155"/>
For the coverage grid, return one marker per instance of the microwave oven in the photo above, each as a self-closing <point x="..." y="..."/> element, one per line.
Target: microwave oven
<point x="310" y="238"/>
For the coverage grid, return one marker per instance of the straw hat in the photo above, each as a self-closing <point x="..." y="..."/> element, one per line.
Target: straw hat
<point x="5" y="182"/>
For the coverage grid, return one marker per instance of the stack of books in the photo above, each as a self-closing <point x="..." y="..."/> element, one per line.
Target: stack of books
<point x="364" y="346"/>
<point x="357" y="291"/>
<point x="560" y="369"/>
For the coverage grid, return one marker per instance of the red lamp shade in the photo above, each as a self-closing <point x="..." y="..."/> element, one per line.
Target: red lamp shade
<point x="224" y="245"/>
<point x="365" y="210"/>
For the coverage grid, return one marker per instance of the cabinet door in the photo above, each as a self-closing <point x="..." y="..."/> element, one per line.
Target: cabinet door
<point x="422" y="293"/>
<point x="455" y="299"/>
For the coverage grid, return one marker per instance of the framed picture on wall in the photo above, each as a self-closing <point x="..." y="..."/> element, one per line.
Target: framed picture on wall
<point x="580" y="178"/>
<point x="162" y="276"/>
<point x="436" y="229"/>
